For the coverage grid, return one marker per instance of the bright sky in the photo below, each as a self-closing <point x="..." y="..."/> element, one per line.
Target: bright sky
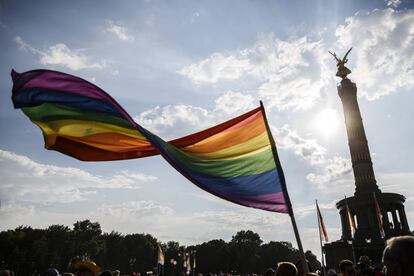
<point x="181" y="66"/>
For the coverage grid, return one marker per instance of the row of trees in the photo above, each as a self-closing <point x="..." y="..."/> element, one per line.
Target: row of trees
<point x="25" y="250"/>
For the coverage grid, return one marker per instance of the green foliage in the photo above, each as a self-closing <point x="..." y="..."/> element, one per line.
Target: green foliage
<point x="246" y="251"/>
<point x="27" y="250"/>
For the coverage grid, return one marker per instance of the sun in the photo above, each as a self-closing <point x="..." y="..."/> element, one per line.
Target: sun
<point x="326" y="122"/>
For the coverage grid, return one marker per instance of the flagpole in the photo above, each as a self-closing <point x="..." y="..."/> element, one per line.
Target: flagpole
<point x="301" y="252"/>
<point x="320" y="238"/>
<point x="285" y="193"/>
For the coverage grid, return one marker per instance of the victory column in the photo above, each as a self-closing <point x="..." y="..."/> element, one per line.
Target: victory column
<point x="367" y="239"/>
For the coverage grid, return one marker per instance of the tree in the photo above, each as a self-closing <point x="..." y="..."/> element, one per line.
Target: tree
<point x="213" y="256"/>
<point x="244" y="237"/>
<point x="245" y="252"/>
<point x="140" y="251"/>
<point x="315" y="264"/>
<point x="59" y="248"/>
<point x="86" y="238"/>
<point x="113" y="254"/>
<point x="171" y="250"/>
<point x="27" y="250"/>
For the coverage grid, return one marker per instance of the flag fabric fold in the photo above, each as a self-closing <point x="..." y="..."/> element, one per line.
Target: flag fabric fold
<point x="194" y="261"/>
<point x="379" y="217"/>
<point x="160" y="256"/>
<point x="236" y="160"/>
<point x="351" y="222"/>
<point x="187" y="263"/>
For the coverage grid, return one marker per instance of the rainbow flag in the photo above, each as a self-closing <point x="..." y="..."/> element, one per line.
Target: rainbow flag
<point x="379" y="216"/>
<point x="322" y="229"/>
<point x="351" y="222"/>
<point x="236" y="160"/>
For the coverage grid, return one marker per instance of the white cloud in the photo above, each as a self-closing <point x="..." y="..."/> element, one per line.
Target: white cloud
<point x="194" y="16"/>
<point x="288" y="74"/>
<point x="250" y="219"/>
<point x="45" y="184"/>
<point x="12" y="210"/>
<point x="173" y="121"/>
<point x="308" y="149"/>
<point x="393" y="3"/>
<point x="216" y="67"/>
<point x="120" y="31"/>
<point x="167" y="224"/>
<point x="329" y="169"/>
<point x="135" y="209"/>
<point x="383" y="50"/>
<point x="294" y="72"/>
<point x="61" y="55"/>
<point x="333" y="169"/>
<point x="233" y="103"/>
<point x="24" y="46"/>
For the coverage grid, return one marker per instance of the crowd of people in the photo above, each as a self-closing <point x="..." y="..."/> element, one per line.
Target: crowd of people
<point x="397" y="260"/>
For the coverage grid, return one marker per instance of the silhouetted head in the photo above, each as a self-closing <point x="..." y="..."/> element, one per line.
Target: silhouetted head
<point x="269" y="272"/>
<point x="398" y="256"/>
<point x="286" y="269"/>
<point x="346" y="267"/>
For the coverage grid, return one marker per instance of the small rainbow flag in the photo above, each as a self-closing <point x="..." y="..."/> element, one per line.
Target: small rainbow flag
<point x="236" y="160"/>
<point x="322" y="229"/>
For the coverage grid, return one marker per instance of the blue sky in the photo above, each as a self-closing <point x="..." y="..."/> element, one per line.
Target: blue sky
<point x="181" y="66"/>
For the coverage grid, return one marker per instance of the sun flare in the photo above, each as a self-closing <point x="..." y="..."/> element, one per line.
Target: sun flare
<point x="326" y="122"/>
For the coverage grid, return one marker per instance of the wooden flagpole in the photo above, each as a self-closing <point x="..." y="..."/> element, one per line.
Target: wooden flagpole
<point x="285" y="193"/>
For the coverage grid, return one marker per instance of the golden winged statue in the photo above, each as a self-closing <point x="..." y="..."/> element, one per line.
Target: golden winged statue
<point x="340" y="64"/>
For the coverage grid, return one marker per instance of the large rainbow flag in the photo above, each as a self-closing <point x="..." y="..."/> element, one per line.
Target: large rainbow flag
<point x="236" y="160"/>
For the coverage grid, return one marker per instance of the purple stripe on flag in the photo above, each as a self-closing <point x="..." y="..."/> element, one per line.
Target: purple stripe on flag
<point x="58" y="81"/>
<point x="66" y="83"/>
<point x="271" y="202"/>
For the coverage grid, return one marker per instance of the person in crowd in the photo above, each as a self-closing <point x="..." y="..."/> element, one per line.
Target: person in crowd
<point x="364" y="267"/>
<point x="6" y="272"/>
<point x="51" y="272"/>
<point x="299" y="266"/>
<point x="398" y="256"/>
<point x="286" y="269"/>
<point x="332" y="272"/>
<point x="377" y="271"/>
<point x="346" y="268"/>
<point x="269" y="272"/>
<point x="86" y="268"/>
